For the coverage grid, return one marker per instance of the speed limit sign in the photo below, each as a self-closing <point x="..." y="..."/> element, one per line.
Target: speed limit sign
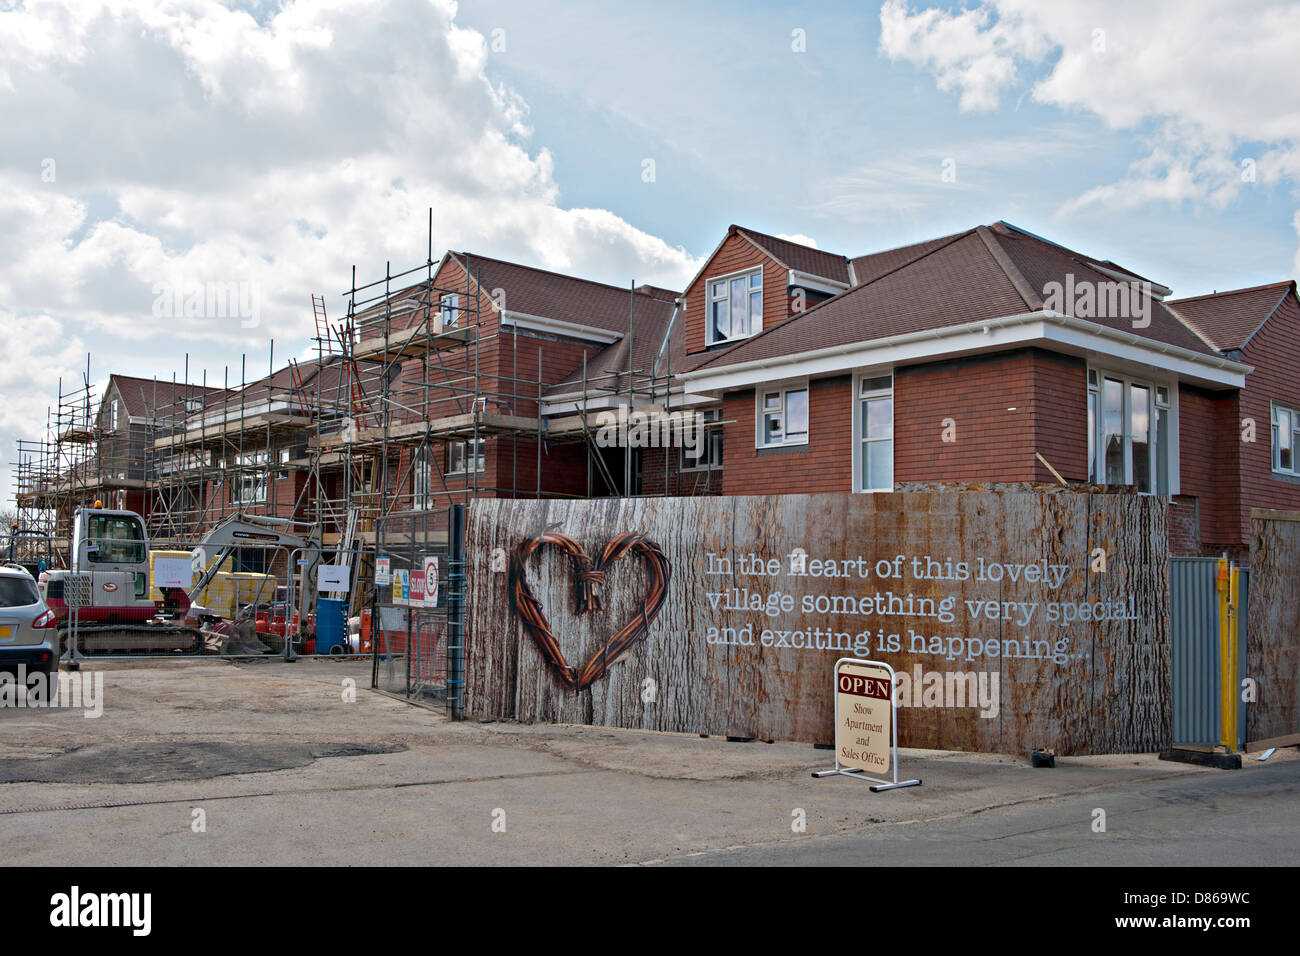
<point x="431" y="582"/>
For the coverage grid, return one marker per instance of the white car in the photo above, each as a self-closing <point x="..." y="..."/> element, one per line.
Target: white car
<point x="29" y="638"/>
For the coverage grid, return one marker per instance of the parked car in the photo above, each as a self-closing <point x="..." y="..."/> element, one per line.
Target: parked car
<point x="28" y="630"/>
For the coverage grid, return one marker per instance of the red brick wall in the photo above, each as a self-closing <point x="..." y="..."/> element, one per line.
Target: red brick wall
<point x="1208" y="463"/>
<point x="654" y="461"/>
<point x="1275" y="354"/>
<point x="735" y="255"/>
<point x="824" y="464"/>
<point x="1048" y="393"/>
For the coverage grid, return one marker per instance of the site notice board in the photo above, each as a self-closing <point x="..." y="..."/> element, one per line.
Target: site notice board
<point x="866" y="726"/>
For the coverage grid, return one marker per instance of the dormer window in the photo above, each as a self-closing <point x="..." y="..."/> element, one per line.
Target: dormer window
<point x="735" y="306"/>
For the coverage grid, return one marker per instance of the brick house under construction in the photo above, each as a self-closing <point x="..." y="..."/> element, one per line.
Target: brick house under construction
<point x="987" y="356"/>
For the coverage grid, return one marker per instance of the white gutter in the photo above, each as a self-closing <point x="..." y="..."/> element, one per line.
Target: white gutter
<point x="806" y="280"/>
<point x="539" y="323"/>
<point x="844" y="357"/>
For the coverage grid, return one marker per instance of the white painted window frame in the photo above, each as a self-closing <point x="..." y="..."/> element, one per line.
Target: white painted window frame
<point x="857" y="397"/>
<point x="462" y="444"/>
<point x="784" y="391"/>
<point x="1128" y="380"/>
<point x="449" y="309"/>
<point x="712" y="435"/>
<point x="1274" y="432"/>
<point x="421" y="479"/>
<point x="755" y="322"/>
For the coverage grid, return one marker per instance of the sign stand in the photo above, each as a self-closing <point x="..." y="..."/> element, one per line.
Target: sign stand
<point x="862" y="687"/>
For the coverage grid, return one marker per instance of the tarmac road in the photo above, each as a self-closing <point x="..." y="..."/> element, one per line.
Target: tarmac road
<point x="1229" y="818"/>
<point x="202" y="762"/>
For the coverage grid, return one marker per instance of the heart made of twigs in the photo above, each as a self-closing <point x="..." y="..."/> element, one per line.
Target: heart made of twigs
<point x="589" y="575"/>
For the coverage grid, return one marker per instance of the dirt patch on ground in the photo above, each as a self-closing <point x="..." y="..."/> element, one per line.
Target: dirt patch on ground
<point x="154" y="762"/>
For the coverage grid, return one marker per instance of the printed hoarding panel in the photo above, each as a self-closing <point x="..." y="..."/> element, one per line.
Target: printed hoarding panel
<point x="1013" y="620"/>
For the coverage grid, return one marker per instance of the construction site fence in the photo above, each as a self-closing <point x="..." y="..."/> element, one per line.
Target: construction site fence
<point x="416" y="619"/>
<point x="259" y="584"/>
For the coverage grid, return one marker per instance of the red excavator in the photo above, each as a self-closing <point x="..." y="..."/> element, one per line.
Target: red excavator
<point x="104" y="595"/>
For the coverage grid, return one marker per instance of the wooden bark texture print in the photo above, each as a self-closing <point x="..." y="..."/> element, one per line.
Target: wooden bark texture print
<point x="1015" y="620"/>
<point x="1273" y="628"/>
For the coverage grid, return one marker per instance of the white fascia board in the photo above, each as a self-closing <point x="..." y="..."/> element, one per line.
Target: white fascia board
<point x="1189" y="366"/>
<point x="557" y="406"/>
<point x="806" y="280"/>
<point x="1041" y="327"/>
<point x="572" y="403"/>
<point x="539" y="323"/>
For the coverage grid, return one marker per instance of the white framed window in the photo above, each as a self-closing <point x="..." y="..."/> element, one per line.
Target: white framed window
<point x="1132" y="437"/>
<point x="734" y="306"/>
<point x="873" y="466"/>
<point x="782" y="417"/>
<point x="112" y="416"/>
<point x="193" y="405"/>
<point x="709" y="447"/>
<point x="465" y="457"/>
<point x="421" y="479"/>
<point x="1285" y="440"/>
<point x="249" y="486"/>
<point x="285" y="454"/>
<point x="450" y="306"/>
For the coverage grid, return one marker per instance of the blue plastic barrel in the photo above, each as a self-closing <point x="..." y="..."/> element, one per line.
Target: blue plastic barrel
<point x="331" y="624"/>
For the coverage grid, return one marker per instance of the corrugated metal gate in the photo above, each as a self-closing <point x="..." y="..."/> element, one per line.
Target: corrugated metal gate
<point x="1194" y="651"/>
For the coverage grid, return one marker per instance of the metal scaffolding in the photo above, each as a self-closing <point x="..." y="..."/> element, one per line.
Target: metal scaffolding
<point x="371" y="439"/>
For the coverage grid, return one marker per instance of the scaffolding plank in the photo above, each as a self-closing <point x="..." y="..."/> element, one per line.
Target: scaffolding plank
<point x="409" y="343"/>
<point x="452" y="426"/>
<point x="198" y="436"/>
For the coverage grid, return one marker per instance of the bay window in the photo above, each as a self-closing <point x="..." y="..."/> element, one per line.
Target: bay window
<point x="1130" y="432"/>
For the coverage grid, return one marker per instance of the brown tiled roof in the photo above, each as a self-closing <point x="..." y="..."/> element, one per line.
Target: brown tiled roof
<point x="551" y="295"/>
<point x="792" y="255"/>
<point x="1041" y="262"/>
<point x="984" y="273"/>
<point x="150" y="397"/>
<point x="872" y="266"/>
<point x="607" y="369"/>
<point x="1228" y="320"/>
<point x="327" y="377"/>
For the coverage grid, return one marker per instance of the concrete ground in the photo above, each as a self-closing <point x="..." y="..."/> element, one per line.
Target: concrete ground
<point x="281" y="767"/>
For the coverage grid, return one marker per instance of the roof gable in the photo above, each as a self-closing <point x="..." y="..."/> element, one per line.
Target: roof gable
<point x="1229" y="320"/>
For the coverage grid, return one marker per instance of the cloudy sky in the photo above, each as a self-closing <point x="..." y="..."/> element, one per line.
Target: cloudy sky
<point x="153" y="148"/>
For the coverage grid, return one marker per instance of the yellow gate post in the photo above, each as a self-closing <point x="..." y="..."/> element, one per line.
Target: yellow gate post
<point x="1228" y="581"/>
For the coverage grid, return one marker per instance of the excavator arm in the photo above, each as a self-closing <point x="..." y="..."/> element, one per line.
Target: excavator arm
<point x="260" y="531"/>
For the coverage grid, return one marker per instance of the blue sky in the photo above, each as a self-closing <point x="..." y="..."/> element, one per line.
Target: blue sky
<point x="839" y="143"/>
<point x="175" y="144"/>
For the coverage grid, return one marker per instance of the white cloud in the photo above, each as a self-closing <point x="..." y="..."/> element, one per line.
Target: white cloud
<point x="799" y="238"/>
<point x="192" y="143"/>
<point x="1200" y="78"/>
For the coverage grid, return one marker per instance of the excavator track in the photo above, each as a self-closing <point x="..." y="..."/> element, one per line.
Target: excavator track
<point x="152" y="639"/>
